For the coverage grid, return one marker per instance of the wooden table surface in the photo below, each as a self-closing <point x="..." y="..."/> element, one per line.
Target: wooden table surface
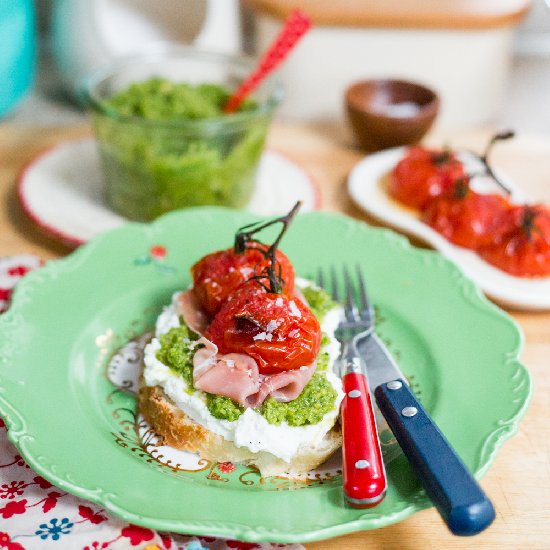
<point x="519" y="480"/>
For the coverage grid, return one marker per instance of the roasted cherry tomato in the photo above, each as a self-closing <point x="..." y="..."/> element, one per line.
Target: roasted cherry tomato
<point x="218" y="275"/>
<point x="466" y="218"/>
<point x="523" y="246"/>
<point x="423" y="174"/>
<point x="277" y="330"/>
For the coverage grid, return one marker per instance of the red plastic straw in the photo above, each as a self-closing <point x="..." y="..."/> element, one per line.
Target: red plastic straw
<point x="296" y="25"/>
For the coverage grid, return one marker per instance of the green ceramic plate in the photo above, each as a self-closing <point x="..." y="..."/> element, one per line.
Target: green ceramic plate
<point x="78" y="431"/>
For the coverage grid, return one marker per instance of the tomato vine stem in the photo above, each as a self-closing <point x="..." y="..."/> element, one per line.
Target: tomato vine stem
<point x="245" y="237"/>
<point x="500" y="136"/>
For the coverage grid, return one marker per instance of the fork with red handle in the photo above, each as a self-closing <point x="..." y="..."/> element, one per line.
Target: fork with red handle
<point x="455" y="492"/>
<point x="363" y="469"/>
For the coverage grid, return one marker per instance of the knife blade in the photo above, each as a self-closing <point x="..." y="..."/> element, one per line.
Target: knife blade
<point x="375" y="353"/>
<point x="448" y="483"/>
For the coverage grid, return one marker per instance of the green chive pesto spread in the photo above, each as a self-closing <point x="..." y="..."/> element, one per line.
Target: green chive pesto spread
<point x="323" y="356"/>
<point x="309" y="407"/>
<point x="318" y="300"/>
<point x="177" y="347"/>
<point x="167" y="145"/>
<point x="223" y="407"/>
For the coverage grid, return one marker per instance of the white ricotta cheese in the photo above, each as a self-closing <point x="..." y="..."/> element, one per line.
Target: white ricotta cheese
<point x="251" y="429"/>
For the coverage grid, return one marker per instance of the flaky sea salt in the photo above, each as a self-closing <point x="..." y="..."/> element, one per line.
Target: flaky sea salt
<point x="294" y="311"/>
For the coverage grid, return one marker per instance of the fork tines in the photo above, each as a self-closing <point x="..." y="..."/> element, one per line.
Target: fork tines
<point x="355" y="296"/>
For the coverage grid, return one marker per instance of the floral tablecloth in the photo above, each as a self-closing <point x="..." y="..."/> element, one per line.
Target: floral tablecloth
<point x="36" y="515"/>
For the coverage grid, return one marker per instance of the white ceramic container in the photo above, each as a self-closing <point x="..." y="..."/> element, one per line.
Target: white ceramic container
<point x="467" y="67"/>
<point x="87" y="34"/>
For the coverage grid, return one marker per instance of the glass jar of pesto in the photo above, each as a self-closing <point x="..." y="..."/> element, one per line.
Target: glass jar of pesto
<point x="165" y="142"/>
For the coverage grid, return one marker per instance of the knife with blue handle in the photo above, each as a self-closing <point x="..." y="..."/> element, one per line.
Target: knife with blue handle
<point x="448" y="483"/>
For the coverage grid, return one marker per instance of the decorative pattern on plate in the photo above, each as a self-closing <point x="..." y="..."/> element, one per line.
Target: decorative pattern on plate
<point x="35" y="515"/>
<point x="156" y="257"/>
<point x="434" y="316"/>
<point x="123" y="370"/>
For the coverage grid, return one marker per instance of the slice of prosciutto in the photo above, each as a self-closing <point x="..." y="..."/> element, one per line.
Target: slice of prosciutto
<point x="283" y="386"/>
<point x="190" y="309"/>
<point x="236" y="375"/>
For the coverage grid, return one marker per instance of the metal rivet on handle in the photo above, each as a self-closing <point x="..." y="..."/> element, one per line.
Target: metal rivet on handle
<point x="354" y="393"/>
<point x="362" y="464"/>
<point x="409" y="411"/>
<point x="394" y="385"/>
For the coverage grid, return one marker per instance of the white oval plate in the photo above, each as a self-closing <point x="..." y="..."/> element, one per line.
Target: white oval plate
<point x="62" y="191"/>
<point x="367" y="189"/>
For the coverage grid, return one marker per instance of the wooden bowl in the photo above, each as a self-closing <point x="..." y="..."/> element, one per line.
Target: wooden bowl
<point x="388" y="113"/>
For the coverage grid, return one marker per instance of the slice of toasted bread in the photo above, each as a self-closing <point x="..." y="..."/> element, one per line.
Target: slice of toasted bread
<point x="179" y="431"/>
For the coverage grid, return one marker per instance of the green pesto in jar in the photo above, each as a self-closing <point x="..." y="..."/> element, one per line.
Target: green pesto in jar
<point x="177" y="348"/>
<point x="162" y="99"/>
<point x="159" y="159"/>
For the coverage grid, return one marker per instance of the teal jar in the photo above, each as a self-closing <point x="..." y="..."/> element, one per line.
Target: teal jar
<point x="17" y="51"/>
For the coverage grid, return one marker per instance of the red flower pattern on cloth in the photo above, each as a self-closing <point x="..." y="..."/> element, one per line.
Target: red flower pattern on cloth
<point x="167" y="541"/>
<point x="137" y="534"/>
<point x="35" y="515"/>
<point x="50" y="501"/>
<point x="93" y="517"/>
<point x="238" y="545"/>
<point x="42" y="483"/>
<point x="14" y="489"/>
<point x="12" y="268"/>
<point x="13" y="508"/>
<point x="6" y="542"/>
<point x="18" y="270"/>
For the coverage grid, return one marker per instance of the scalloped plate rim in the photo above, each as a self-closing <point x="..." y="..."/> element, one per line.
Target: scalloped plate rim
<point x="236" y="529"/>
